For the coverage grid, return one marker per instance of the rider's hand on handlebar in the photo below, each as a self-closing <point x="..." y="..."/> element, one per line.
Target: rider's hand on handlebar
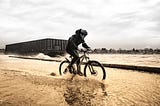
<point x="89" y="49"/>
<point x="85" y="50"/>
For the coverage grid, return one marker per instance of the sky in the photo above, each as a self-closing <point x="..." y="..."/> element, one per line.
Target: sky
<point x="124" y="24"/>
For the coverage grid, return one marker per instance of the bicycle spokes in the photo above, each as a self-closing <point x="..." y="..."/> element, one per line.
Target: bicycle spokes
<point x="94" y="70"/>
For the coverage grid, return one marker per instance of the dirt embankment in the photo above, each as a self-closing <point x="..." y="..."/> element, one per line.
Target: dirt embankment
<point x="21" y="88"/>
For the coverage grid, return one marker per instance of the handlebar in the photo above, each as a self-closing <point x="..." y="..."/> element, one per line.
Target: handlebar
<point x="85" y="50"/>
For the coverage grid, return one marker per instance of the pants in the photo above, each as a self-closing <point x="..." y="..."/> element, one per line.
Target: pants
<point x="75" y="59"/>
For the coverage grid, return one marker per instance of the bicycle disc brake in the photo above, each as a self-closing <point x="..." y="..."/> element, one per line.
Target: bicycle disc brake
<point x="65" y="71"/>
<point x="93" y="71"/>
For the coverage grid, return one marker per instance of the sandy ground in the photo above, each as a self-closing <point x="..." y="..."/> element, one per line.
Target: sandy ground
<point x="28" y="82"/>
<point x="129" y="59"/>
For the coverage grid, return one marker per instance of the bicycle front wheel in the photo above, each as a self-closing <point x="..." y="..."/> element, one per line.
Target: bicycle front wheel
<point x="94" y="69"/>
<point x="63" y="66"/>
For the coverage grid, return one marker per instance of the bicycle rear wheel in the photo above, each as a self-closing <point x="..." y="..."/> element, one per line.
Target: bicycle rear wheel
<point x="63" y="66"/>
<point x="94" y="69"/>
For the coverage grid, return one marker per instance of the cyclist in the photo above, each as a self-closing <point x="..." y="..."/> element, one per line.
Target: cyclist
<point x="72" y="48"/>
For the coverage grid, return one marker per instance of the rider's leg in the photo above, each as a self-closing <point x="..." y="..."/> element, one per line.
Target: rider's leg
<point x="78" y="64"/>
<point x="75" y="59"/>
<point x="75" y="55"/>
<point x="79" y="67"/>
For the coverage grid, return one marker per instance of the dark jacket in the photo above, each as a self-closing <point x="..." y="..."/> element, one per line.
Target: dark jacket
<point x="74" y="41"/>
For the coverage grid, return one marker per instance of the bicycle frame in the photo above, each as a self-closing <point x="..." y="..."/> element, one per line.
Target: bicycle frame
<point x="89" y="66"/>
<point x="82" y="58"/>
<point x="87" y="60"/>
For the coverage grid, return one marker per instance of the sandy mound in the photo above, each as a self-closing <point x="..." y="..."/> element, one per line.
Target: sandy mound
<point x="19" y="88"/>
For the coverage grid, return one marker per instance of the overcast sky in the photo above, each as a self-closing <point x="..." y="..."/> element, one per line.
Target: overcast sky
<point x="110" y="23"/>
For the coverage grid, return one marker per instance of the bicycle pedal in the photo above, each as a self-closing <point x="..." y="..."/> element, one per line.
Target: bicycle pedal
<point x="74" y="72"/>
<point x="80" y="73"/>
<point x="70" y="71"/>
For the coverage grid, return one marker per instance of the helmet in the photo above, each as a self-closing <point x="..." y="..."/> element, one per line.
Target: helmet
<point x="81" y="31"/>
<point x="84" y="32"/>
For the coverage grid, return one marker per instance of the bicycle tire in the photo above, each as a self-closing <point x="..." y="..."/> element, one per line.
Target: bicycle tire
<point x="60" y="66"/>
<point x="96" y="64"/>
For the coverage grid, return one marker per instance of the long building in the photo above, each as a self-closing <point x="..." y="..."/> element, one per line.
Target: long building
<point x="47" y="46"/>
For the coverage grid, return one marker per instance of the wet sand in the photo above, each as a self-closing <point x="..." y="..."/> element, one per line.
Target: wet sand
<point x="28" y="82"/>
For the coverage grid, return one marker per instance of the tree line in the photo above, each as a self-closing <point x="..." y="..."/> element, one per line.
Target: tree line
<point x="127" y="51"/>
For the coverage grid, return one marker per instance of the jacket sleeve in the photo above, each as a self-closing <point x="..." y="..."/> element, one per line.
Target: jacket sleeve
<point x="85" y="45"/>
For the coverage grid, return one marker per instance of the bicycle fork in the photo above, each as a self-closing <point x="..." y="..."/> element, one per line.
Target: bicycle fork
<point x="91" y="69"/>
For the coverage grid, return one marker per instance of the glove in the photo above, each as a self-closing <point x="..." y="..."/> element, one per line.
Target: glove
<point x="89" y="49"/>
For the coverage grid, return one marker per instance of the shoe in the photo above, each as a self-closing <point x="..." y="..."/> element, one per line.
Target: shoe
<point x="80" y="73"/>
<point x="74" y="72"/>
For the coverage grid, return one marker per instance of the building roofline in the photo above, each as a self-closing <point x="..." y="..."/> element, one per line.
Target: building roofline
<point x="35" y="40"/>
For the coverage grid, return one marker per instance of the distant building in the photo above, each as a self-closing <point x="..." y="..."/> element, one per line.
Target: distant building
<point x="1" y="50"/>
<point x="47" y="46"/>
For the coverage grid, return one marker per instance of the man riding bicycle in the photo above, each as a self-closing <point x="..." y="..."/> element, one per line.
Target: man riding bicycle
<point x="72" y="48"/>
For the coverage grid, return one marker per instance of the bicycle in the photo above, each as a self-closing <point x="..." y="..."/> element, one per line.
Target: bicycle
<point x="91" y="67"/>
